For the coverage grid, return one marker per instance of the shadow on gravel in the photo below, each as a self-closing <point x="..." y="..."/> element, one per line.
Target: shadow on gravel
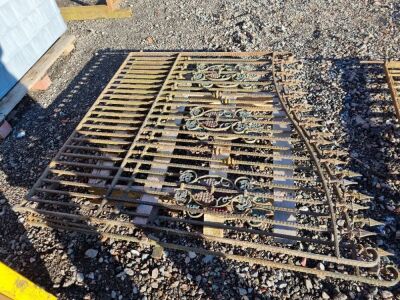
<point x="16" y="251"/>
<point x="359" y="94"/>
<point x="367" y="115"/>
<point x="368" y="118"/>
<point x="24" y="160"/>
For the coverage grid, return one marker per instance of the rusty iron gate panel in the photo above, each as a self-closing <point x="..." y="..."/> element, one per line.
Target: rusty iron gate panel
<point x="392" y="71"/>
<point x="195" y="151"/>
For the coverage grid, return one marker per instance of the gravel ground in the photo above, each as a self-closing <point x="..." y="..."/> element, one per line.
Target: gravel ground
<point x="332" y="37"/>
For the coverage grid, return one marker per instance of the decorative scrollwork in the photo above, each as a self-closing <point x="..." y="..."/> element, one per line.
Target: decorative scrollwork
<point x="182" y="196"/>
<point x="190" y="176"/>
<point x="237" y="121"/>
<point x="243" y="202"/>
<point x="243" y="184"/>
<point x="227" y="76"/>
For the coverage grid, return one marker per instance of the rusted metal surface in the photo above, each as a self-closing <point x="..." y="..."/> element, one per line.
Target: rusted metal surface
<point x="392" y="71"/>
<point x="215" y="153"/>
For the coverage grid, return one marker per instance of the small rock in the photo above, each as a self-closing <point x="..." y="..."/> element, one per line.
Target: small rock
<point x="154" y="273"/>
<point x="340" y="222"/>
<point x="309" y="285"/>
<point x="92" y="253"/>
<point x="21" y="134"/>
<point x="150" y="40"/>
<point x="80" y="277"/>
<point x="154" y="285"/>
<point x="121" y="275"/>
<point x="135" y="252"/>
<point x="386" y="294"/>
<point x="242" y="292"/>
<point x="325" y="296"/>
<point x="192" y="255"/>
<point x="129" y="272"/>
<point x="113" y="294"/>
<point x="321" y="266"/>
<point x="69" y="282"/>
<point x="282" y="285"/>
<point x="207" y="259"/>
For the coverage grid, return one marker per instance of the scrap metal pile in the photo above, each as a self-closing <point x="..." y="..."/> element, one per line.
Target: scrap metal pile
<point x="215" y="153"/>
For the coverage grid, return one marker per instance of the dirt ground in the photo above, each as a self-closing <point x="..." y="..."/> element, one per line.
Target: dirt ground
<point x="331" y="37"/>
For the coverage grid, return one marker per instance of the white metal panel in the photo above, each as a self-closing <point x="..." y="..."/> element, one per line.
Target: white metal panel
<point x="28" y="28"/>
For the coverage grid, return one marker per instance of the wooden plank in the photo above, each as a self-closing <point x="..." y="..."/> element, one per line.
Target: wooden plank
<point x="9" y="101"/>
<point x="218" y="232"/>
<point x="221" y="155"/>
<point x="392" y="64"/>
<point x="93" y="12"/>
<point x="149" y="209"/>
<point x="213" y="231"/>
<point x="278" y="173"/>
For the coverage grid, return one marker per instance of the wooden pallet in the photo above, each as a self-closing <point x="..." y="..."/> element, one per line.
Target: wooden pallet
<point x="392" y="71"/>
<point x="92" y="12"/>
<point x="63" y="46"/>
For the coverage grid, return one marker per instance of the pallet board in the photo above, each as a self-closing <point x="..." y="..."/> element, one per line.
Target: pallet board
<point x="64" y="45"/>
<point x="216" y="153"/>
<point x="92" y="12"/>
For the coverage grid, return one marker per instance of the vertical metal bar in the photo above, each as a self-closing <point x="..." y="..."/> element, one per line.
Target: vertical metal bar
<point x="46" y="171"/>
<point x="313" y="156"/>
<point x="124" y="162"/>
